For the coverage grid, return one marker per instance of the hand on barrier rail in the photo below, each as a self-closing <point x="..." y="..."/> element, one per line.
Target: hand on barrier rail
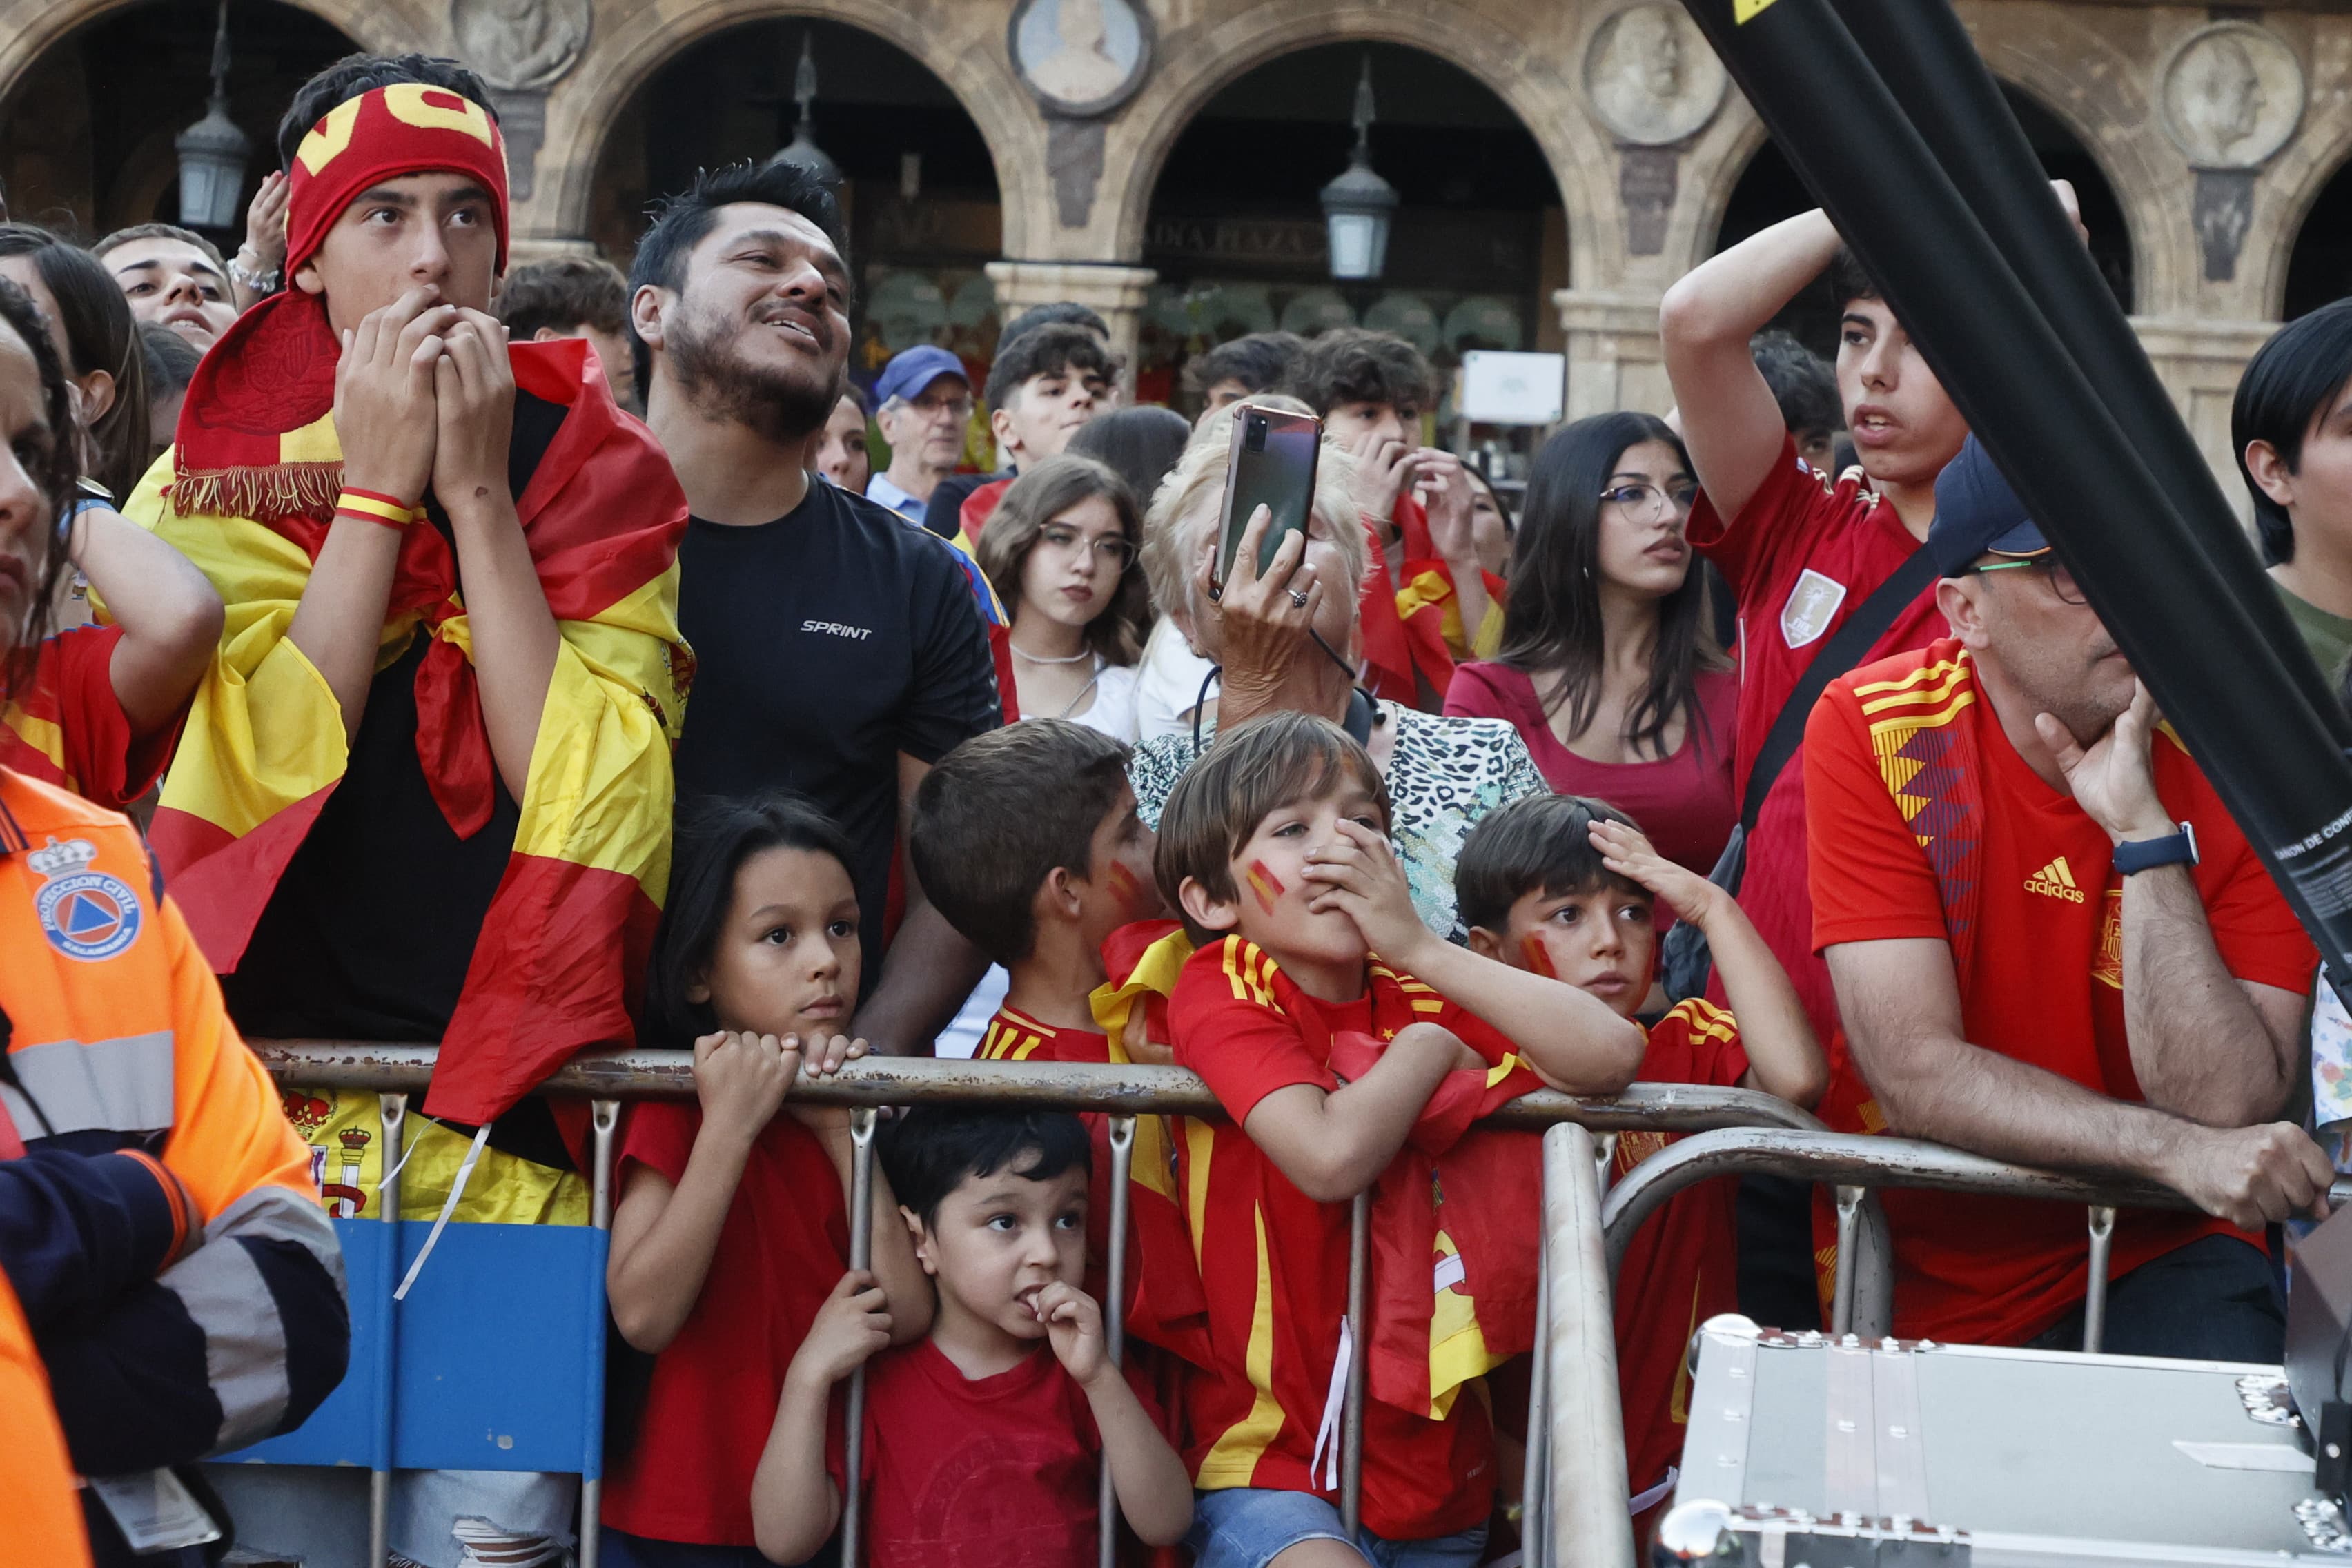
<point x="2251" y="1176"/>
<point x="743" y="1079"/>
<point x="850" y="1329"/>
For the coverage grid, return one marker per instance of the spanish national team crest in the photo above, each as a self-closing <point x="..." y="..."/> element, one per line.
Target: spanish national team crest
<point x="86" y="914"/>
<point x="1812" y="602"/>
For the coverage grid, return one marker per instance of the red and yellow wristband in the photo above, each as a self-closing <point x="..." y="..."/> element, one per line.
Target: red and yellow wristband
<point x="369" y="506"/>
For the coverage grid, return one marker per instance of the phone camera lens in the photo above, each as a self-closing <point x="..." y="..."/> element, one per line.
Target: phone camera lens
<point x="1253" y="438"/>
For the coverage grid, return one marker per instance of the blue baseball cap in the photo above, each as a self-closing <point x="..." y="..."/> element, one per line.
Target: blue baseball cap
<point x="1978" y="514"/>
<point x="911" y="372"/>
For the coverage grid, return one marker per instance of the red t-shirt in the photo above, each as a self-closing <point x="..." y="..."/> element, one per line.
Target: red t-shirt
<point x="67" y="728"/>
<point x="1013" y="1036"/>
<point x="988" y="1472"/>
<point x="1801" y="557"/>
<point x="782" y="1249"/>
<point x="1273" y="1264"/>
<point x="1680" y="1268"/>
<point x="1683" y="803"/>
<point x="2043" y="983"/>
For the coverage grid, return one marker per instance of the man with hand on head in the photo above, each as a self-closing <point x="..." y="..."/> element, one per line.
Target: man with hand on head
<point x="2051" y="945"/>
<point x="838" y="651"/>
<point x="1427" y="601"/>
<point x="424" y="793"/>
<point x="922" y="403"/>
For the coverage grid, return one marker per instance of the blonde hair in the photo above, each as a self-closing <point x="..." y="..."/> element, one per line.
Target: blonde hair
<point x="1181" y="528"/>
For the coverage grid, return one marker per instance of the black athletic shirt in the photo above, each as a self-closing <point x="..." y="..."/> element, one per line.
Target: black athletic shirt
<point x="826" y="642"/>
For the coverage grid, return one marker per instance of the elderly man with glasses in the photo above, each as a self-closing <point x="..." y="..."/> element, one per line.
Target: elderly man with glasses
<point x="923" y="400"/>
<point x="2051" y="944"/>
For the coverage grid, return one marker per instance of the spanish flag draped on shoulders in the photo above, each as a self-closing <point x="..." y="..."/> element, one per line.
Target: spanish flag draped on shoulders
<point x="393" y="887"/>
<point x="1453" y="1265"/>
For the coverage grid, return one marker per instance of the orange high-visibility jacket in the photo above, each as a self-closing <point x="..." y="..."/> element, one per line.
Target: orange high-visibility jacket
<point x="37" y="1485"/>
<point x="158" y="1219"/>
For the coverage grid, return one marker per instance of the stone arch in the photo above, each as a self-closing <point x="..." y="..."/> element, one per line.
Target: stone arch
<point x="962" y="48"/>
<point x="1200" y="62"/>
<point x="93" y="94"/>
<point x="2320" y="157"/>
<point x="2101" y="96"/>
<point x="30" y="29"/>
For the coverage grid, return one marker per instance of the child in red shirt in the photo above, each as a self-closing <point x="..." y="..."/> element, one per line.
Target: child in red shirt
<point x="1027" y="840"/>
<point x="979" y="1451"/>
<point x="1568" y="886"/>
<point x="733" y="1220"/>
<point x="1275" y="846"/>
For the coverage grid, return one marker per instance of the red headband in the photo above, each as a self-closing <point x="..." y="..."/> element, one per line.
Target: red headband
<point x="408" y="127"/>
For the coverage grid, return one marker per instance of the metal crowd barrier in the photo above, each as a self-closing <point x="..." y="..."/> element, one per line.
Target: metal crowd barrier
<point x="1853" y="1163"/>
<point x="1575" y="1353"/>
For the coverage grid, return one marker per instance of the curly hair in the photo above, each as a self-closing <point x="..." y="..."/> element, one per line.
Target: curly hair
<point x="1355" y="364"/>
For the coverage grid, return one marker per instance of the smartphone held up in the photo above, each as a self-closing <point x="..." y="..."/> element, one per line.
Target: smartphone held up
<point x="1272" y="466"/>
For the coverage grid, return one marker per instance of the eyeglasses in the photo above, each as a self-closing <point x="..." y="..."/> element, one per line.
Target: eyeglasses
<point x="2061" y="581"/>
<point x="1120" y="553"/>
<point x="938" y="408"/>
<point x="1648" y="503"/>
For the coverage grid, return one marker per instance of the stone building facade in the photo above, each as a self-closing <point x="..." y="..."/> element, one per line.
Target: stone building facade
<point x="2218" y="129"/>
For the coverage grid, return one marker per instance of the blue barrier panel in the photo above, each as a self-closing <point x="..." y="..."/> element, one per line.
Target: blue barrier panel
<point x="498" y="1360"/>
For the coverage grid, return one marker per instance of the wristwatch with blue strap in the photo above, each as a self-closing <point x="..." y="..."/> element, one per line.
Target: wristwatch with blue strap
<point x="2172" y="849"/>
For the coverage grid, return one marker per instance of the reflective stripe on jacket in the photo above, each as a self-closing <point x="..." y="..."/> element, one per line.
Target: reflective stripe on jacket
<point x="157" y="1220"/>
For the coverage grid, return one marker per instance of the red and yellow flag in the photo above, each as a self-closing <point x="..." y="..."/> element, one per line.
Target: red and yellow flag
<point x="554" y="969"/>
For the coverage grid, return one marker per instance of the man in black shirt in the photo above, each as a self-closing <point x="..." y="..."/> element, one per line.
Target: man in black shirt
<point x="838" y="652"/>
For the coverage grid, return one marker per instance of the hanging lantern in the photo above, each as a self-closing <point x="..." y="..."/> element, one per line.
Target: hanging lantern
<point x="213" y="152"/>
<point x="1359" y="205"/>
<point x="803" y="148"/>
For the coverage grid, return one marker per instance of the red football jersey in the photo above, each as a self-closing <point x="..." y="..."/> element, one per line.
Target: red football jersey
<point x="2031" y="903"/>
<point x="1273" y="1264"/>
<point x="1801" y="557"/>
<point x="1680" y="1268"/>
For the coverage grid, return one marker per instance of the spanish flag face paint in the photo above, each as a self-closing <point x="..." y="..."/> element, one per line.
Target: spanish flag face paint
<point x="1264" y="885"/>
<point x="1136" y="902"/>
<point x="1538" y="956"/>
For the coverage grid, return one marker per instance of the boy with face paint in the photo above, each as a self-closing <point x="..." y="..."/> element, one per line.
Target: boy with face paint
<point x="1028" y="841"/>
<point x="424" y="793"/>
<point x="1567" y="887"/>
<point x="1343" y="1072"/>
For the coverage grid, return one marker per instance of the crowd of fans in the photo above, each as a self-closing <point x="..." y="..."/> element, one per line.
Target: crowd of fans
<point x="461" y="704"/>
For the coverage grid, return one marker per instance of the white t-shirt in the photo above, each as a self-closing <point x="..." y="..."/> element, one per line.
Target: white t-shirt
<point x="1168" y="683"/>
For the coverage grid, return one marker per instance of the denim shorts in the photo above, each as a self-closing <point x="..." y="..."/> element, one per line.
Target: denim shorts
<point x="1247" y="1527"/>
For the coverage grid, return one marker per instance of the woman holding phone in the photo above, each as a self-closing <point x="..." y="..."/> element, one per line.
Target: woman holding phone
<point x="1291" y="637"/>
<point x="1608" y="668"/>
<point x="1060" y="549"/>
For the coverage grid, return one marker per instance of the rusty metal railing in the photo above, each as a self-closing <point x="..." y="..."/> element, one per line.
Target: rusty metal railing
<point x="395" y="1071"/>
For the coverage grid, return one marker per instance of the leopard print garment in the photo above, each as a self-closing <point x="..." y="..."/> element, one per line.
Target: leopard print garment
<point x="1444" y="775"/>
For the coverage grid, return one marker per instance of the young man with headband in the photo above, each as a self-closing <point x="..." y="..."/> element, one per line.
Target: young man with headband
<point x="402" y="810"/>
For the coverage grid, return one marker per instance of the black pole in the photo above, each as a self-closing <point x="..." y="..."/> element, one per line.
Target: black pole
<point x="1924" y="57"/>
<point x="2200" y="650"/>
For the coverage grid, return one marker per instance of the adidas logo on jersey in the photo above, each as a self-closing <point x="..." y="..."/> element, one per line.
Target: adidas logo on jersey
<point x="2055" y="880"/>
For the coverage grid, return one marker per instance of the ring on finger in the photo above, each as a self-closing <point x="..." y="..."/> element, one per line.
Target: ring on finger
<point x="1298" y="600"/>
